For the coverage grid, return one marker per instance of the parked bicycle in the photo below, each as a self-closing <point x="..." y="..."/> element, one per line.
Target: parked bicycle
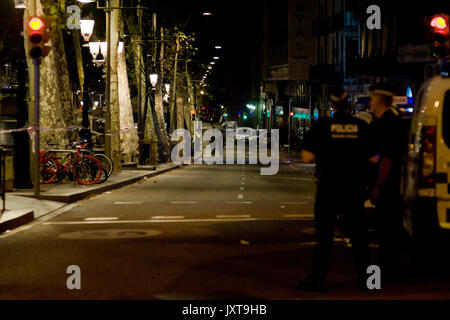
<point x="83" y="168"/>
<point x="105" y="161"/>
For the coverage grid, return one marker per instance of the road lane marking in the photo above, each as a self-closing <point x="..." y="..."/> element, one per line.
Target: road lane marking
<point x="238" y="202"/>
<point x="183" y="202"/>
<point x="168" y="221"/>
<point x="240" y="196"/>
<point x="148" y="221"/>
<point x="128" y="202"/>
<point x="110" y="234"/>
<point x="168" y="217"/>
<point x="225" y="216"/>
<point x="293" y="202"/>
<point x="101" y="219"/>
<point x="282" y="207"/>
<point x="242" y="188"/>
<point x="243" y="183"/>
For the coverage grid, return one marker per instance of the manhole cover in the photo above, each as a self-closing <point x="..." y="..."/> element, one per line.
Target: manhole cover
<point x="111" y="234"/>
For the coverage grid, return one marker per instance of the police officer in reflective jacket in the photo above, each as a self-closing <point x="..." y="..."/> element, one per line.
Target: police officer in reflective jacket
<point x="339" y="147"/>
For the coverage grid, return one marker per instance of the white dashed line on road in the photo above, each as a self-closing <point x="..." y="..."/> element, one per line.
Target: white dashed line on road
<point x="167" y="217"/>
<point x="224" y="216"/>
<point x="239" y="202"/>
<point x="242" y="188"/>
<point x="183" y="202"/>
<point x="101" y="219"/>
<point x="241" y="196"/>
<point x="128" y="202"/>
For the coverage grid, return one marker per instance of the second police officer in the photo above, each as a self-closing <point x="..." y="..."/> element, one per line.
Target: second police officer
<point x="339" y="147"/>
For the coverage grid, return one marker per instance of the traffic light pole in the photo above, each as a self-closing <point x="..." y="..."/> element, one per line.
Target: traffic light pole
<point x="36" y="63"/>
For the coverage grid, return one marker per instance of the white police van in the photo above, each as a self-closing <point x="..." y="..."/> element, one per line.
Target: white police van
<point x="426" y="184"/>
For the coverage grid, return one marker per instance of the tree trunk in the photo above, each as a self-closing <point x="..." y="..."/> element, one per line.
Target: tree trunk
<point x="129" y="139"/>
<point x="180" y="112"/>
<point x="56" y="110"/>
<point x="114" y="93"/>
<point x="79" y="57"/>
<point x="173" y="100"/>
<point x="165" y="143"/>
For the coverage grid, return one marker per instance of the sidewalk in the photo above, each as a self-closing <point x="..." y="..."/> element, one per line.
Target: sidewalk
<point x="23" y="207"/>
<point x="295" y="161"/>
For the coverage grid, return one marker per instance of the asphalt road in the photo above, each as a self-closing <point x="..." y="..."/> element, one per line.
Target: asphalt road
<point x="201" y="232"/>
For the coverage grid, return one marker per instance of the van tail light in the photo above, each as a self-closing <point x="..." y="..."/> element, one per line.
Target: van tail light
<point x="428" y="170"/>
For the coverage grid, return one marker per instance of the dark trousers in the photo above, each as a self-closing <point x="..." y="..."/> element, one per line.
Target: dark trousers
<point x="328" y="204"/>
<point x="390" y="229"/>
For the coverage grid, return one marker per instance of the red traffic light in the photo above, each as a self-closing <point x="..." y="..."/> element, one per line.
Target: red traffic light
<point x="36" y="28"/>
<point x="36" y="23"/>
<point x="439" y="22"/>
<point x="291" y="114"/>
<point x="39" y="33"/>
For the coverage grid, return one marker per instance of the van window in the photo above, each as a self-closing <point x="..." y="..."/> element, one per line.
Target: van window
<point x="446" y="119"/>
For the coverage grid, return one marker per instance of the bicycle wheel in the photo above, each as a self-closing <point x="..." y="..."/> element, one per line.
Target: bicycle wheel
<point x="88" y="170"/>
<point x="49" y="168"/>
<point x="107" y="166"/>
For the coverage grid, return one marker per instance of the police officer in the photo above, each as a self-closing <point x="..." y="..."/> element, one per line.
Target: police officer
<point x="389" y="143"/>
<point x="339" y="147"/>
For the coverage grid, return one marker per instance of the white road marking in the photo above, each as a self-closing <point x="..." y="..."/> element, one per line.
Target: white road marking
<point x="168" y="217"/>
<point x="101" y="219"/>
<point x="242" y="188"/>
<point x="183" y="202"/>
<point x="128" y="202"/>
<point x="293" y="202"/>
<point x="146" y="221"/>
<point x="224" y="216"/>
<point x="164" y="221"/>
<point x="243" y="183"/>
<point x="282" y="207"/>
<point x="241" y="196"/>
<point x="238" y="202"/>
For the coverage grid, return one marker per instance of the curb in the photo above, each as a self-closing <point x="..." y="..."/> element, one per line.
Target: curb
<point x="82" y="195"/>
<point x="22" y="219"/>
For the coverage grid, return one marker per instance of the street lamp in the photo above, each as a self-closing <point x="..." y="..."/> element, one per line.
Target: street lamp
<point x="154" y="80"/>
<point x="87" y="28"/>
<point x="19" y="4"/>
<point x="86" y="1"/>
<point x="218" y="47"/>
<point x="94" y="48"/>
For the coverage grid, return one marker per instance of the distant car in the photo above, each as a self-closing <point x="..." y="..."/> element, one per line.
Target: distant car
<point x="243" y="133"/>
<point x="229" y="125"/>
